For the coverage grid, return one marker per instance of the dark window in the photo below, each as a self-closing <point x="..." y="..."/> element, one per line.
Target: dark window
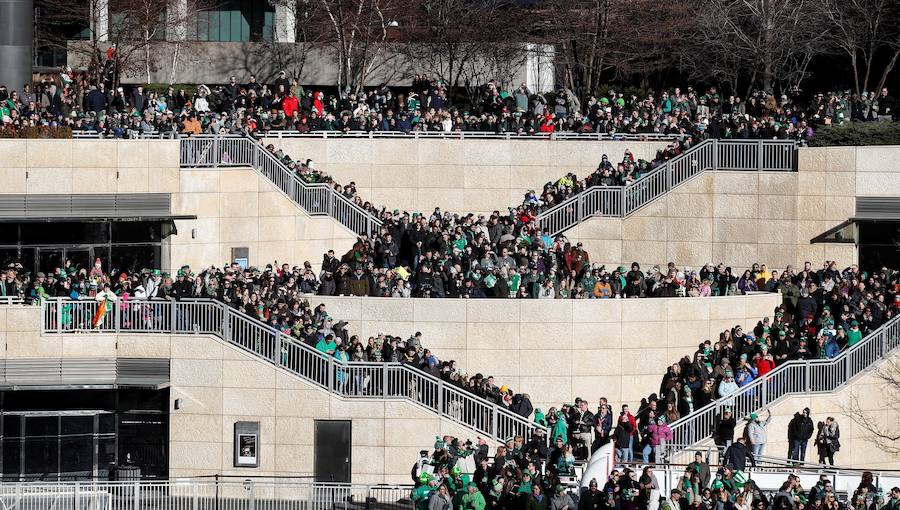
<point x="235" y="21"/>
<point x="12" y="456"/>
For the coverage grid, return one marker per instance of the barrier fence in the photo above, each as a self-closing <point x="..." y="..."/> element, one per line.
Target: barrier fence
<point x="709" y="155"/>
<point x="791" y="378"/>
<point x="414" y="135"/>
<point x="316" y="199"/>
<point x="199" y="494"/>
<point x="349" y="380"/>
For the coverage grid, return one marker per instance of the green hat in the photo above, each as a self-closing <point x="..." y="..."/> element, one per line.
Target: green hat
<point x="854" y="323"/>
<point x="425" y="478"/>
<point x="752" y="417"/>
<point x="782" y="333"/>
<point x="155" y="272"/>
<point x="559" y="487"/>
<point x="620" y="269"/>
<point x="472" y="484"/>
<point x="180" y="272"/>
<point x="455" y="470"/>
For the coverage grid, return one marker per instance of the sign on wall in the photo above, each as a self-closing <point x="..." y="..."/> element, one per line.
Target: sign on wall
<point x="246" y="444"/>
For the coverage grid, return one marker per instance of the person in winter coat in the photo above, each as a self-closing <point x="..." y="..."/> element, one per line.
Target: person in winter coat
<point x="537" y="500"/>
<point x="473" y="499"/>
<point x="593" y="498"/>
<point x="828" y="440"/>
<point x="561" y="500"/>
<point x="622" y="436"/>
<point x="440" y="499"/>
<point x="800" y="429"/>
<point x="723" y="434"/>
<point x="737" y="455"/>
<point x="756" y="432"/>
<point x="660" y="433"/>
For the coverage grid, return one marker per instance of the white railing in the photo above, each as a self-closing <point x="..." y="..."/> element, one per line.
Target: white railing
<point x="476" y="135"/>
<point x="709" y="155"/>
<point x="11" y="300"/>
<point x="392" y="381"/>
<point x="202" y="494"/>
<point x="316" y="199"/>
<point x="791" y="378"/>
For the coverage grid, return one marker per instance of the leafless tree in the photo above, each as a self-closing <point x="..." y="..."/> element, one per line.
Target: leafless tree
<point x="773" y="40"/>
<point x="863" y="30"/>
<point x="310" y="31"/>
<point x="359" y="32"/>
<point x="883" y="425"/>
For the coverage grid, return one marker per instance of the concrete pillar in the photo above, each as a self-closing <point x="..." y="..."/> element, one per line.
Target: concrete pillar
<point x="539" y="67"/>
<point x="286" y="21"/>
<point x="16" y="37"/>
<point x="100" y="19"/>
<point x="176" y="20"/>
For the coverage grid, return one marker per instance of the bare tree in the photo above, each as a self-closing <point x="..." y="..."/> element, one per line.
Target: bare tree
<point x="864" y="30"/>
<point x="774" y="40"/>
<point x="360" y="31"/>
<point x="309" y="32"/>
<point x="883" y="429"/>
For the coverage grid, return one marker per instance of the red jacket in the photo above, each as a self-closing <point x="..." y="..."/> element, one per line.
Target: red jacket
<point x="290" y="104"/>
<point x="764" y="366"/>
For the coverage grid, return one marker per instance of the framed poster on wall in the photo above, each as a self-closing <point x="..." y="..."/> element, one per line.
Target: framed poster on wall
<point x="246" y="444"/>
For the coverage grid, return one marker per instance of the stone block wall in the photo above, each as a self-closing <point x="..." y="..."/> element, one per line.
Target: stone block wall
<point x="556" y="350"/>
<point x="463" y="176"/>
<point x="741" y="218"/>
<point x="236" y="207"/>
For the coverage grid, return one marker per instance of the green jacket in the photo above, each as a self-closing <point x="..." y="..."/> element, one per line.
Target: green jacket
<point x="473" y="501"/>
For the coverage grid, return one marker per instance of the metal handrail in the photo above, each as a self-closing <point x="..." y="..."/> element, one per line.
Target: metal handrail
<point x="709" y="155"/>
<point x="316" y="199"/>
<point x="11" y="300"/>
<point x="389" y="381"/>
<point x="475" y="135"/>
<point x="791" y="378"/>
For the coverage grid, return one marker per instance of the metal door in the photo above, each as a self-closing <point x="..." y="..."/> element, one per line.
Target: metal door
<point x="332" y="450"/>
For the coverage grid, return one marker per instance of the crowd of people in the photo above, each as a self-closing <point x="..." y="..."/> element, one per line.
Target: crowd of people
<point x="534" y="474"/>
<point x="85" y="102"/>
<point x="823" y="312"/>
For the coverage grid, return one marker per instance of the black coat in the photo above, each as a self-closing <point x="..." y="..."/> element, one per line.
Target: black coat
<point x="800" y="428"/>
<point x="736" y="456"/>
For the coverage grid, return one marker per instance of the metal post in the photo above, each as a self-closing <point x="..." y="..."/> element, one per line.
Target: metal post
<point x="759" y="155"/>
<point x="715" y="154"/>
<point x="215" y="151"/>
<point x="226" y="324"/>
<point x="496" y="425"/>
<point x="440" y="398"/>
<point x="331" y="373"/>
<point x="278" y="360"/>
<point x="849" y="373"/>
<point x="622" y="201"/>
<point x="384" y="379"/>
<point x="117" y="315"/>
<point x="59" y="325"/>
<point x="807" y="369"/>
<point x="173" y="325"/>
<point x="77" y="502"/>
<point x="137" y="494"/>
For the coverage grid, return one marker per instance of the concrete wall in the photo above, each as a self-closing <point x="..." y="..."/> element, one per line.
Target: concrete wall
<point x="477" y="176"/>
<point x="870" y="396"/>
<point x="740" y="218"/>
<point x="236" y="207"/>
<point x="219" y="384"/>
<point x="561" y="349"/>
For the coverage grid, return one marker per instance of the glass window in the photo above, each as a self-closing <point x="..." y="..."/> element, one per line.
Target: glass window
<point x="76" y="456"/>
<point x="41" y="426"/>
<point x="12" y="456"/>
<point x="236" y="21"/>
<point x="41" y="455"/>
<point x="56" y="233"/>
<point x="12" y="425"/>
<point x="71" y="425"/>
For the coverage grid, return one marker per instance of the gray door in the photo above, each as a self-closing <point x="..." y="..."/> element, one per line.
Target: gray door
<point x="332" y="450"/>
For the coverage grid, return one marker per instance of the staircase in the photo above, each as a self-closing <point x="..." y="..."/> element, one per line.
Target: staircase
<point x="709" y="155"/>
<point x="364" y="381"/>
<point x="207" y="151"/>
<point x="799" y="377"/>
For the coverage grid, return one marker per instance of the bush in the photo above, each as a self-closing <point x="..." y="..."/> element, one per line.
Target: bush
<point x="857" y="133"/>
<point x="36" y="132"/>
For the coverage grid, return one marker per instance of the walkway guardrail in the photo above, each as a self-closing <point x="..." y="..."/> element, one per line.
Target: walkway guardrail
<point x="11" y="300"/>
<point x="791" y="378"/>
<point x="390" y="381"/>
<point x="315" y="199"/>
<point x="201" y="494"/>
<point x="476" y="135"/>
<point x="709" y="155"/>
